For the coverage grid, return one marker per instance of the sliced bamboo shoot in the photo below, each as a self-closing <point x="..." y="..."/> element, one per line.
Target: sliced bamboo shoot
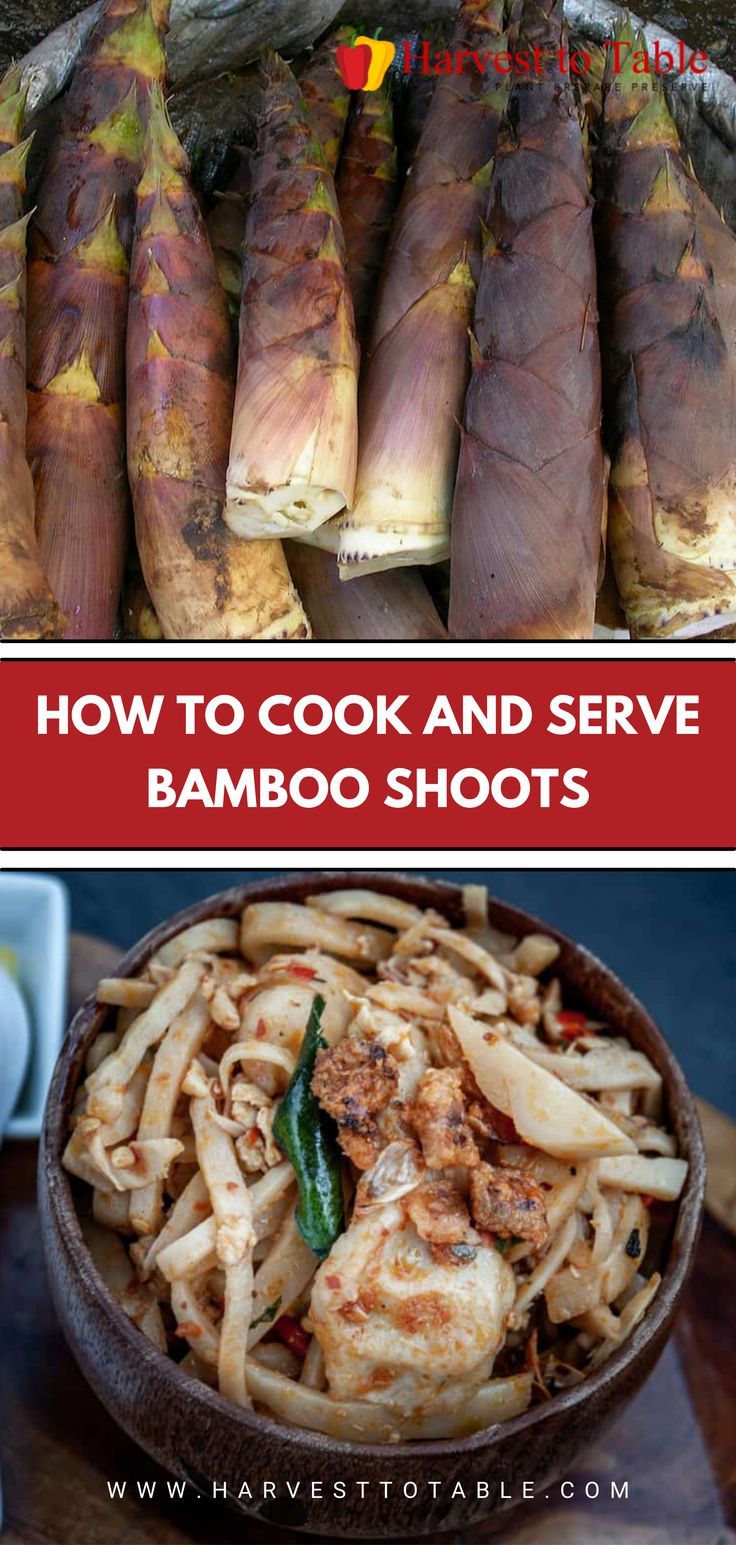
<point x="660" y="1177"/>
<point x="545" y="1112"/>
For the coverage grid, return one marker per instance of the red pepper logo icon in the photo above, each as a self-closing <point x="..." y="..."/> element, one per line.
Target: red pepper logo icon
<point x="363" y="66"/>
<point x="354" y="64"/>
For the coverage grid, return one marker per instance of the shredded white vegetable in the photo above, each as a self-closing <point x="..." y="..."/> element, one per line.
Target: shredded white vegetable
<point x="498" y="1151"/>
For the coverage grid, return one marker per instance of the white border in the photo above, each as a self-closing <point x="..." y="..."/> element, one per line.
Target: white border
<point x="415" y="859"/>
<point x="595" y="649"/>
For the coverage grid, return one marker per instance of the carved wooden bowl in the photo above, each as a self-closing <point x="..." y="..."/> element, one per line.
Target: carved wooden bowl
<point x="201" y="1438"/>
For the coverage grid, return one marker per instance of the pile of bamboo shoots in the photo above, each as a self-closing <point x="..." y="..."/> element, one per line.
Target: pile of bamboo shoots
<point x="445" y="343"/>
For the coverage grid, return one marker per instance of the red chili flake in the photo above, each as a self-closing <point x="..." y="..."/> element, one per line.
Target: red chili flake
<point x="292" y="1334"/>
<point x="333" y="1282"/>
<point x="646" y="1201"/>
<point x="189" y="1329"/>
<point x="308" y="972"/>
<point x="572" y="1023"/>
<point x="252" y="1137"/>
<point x="261" y="1029"/>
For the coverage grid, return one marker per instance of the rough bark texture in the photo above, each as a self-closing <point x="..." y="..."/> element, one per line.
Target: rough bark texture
<point x="529" y="499"/>
<point x="668" y="264"/>
<point x="417" y="369"/>
<point x="27" y="607"/>
<point x="78" y="297"/>
<point x="203" y="582"/>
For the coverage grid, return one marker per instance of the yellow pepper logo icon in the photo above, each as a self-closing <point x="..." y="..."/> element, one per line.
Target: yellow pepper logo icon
<point x="363" y="66"/>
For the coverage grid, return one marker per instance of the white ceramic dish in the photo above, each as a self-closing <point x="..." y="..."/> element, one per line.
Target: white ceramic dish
<point x="34" y="924"/>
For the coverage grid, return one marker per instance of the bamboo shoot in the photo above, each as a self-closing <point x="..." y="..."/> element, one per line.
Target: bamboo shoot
<point x="417" y="368"/>
<point x="529" y="499"/>
<point x="366" y="194"/>
<point x="27" y="606"/>
<point x="203" y="582"/>
<point x="78" y="298"/>
<point x="669" y="285"/>
<point x="326" y="95"/>
<point x="294" y="441"/>
<point x="395" y="606"/>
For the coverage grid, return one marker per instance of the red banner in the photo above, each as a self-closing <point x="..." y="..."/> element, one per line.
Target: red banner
<point x="438" y="754"/>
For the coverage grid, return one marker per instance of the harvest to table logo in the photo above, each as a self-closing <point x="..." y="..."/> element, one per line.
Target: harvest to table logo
<point x="364" y="64"/>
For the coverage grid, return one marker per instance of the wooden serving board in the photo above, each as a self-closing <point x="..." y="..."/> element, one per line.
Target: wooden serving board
<point x="674" y="1444"/>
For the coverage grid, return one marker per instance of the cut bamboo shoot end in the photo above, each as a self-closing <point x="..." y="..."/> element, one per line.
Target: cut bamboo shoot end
<point x="327" y="537"/>
<point x="388" y="550"/>
<point x="289" y="510"/>
<point x="705" y="625"/>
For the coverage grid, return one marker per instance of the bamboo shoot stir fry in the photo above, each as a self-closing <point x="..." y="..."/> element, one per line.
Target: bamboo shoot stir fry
<point x="364" y="1171"/>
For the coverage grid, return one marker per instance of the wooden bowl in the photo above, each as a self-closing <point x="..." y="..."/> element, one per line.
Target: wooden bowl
<point x="201" y="1438"/>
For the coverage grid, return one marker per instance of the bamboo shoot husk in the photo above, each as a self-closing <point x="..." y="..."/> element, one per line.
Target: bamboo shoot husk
<point x="328" y="100"/>
<point x="530" y="493"/>
<point x="294" y="441"/>
<point x="417" y="368"/>
<point x="203" y="582"/>
<point x="394" y="606"/>
<point x="78" y="296"/>
<point x="326" y="95"/>
<point x="669" y="285"/>
<point x="366" y="193"/>
<point x="27" y="607"/>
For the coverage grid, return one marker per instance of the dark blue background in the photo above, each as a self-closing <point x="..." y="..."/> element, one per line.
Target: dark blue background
<point x="670" y="936"/>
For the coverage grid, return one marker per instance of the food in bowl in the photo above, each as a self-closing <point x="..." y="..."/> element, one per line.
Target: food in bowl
<point x="365" y="1171"/>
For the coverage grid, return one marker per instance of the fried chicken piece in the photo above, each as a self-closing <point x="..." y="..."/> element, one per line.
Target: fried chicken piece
<point x="354" y="1081"/>
<point x="438" y="1116"/>
<point x="438" y="1213"/>
<point x="487" y="1124"/>
<point x="508" y="1205"/>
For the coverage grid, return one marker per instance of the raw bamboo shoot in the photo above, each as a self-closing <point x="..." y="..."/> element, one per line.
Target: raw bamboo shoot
<point x="529" y="500"/>
<point x="326" y="95"/>
<point x="668" y="263"/>
<point x="77" y="305"/>
<point x="366" y="194"/>
<point x="203" y="582"/>
<point x="294" y="442"/>
<point x="392" y="607"/>
<point x="27" y="606"/>
<point x="417" y="369"/>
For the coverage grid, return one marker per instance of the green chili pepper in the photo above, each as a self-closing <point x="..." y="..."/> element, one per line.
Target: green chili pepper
<point x="306" y="1135"/>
